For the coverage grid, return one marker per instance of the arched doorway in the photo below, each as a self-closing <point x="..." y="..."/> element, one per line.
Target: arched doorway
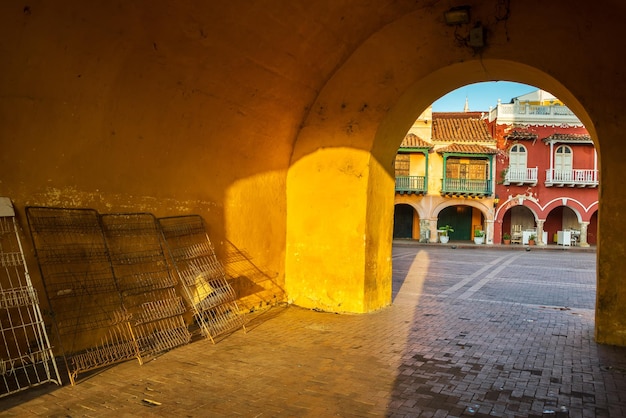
<point x="560" y="218"/>
<point x="518" y="215"/>
<point x="463" y="219"/>
<point x="403" y="218"/>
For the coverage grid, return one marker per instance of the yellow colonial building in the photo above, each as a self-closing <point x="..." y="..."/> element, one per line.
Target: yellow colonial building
<point x="445" y="171"/>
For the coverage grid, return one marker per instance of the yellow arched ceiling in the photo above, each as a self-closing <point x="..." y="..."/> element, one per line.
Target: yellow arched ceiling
<point x="277" y="121"/>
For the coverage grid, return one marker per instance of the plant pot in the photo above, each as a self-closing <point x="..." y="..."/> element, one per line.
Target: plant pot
<point x="479" y="240"/>
<point x="507" y="242"/>
<point x="444" y="239"/>
<point x="531" y="242"/>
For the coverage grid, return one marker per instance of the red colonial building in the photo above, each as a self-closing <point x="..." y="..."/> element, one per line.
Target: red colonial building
<point x="547" y="173"/>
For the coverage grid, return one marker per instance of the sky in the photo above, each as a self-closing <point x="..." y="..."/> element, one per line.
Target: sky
<point x="480" y="96"/>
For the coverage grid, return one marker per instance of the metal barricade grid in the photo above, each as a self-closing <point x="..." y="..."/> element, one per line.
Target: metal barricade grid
<point x="26" y="357"/>
<point x="81" y="289"/>
<point x="111" y="287"/>
<point x="144" y="280"/>
<point x="204" y="281"/>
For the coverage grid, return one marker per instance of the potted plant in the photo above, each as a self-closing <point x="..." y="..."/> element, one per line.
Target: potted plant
<point x="506" y="237"/>
<point x="479" y="237"/>
<point x="503" y="176"/>
<point x="444" y="233"/>
<point x="532" y="239"/>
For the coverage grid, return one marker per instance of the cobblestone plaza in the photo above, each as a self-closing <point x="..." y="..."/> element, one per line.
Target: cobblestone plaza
<point x="471" y="332"/>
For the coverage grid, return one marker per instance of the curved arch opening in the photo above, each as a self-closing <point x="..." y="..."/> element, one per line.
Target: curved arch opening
<point x="341" y="180"/>
<point x="422" y="93"/>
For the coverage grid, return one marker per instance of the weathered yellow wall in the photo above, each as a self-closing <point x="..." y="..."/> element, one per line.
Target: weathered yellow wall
<point x="415" y="233"/>
<point x="435" y="173"/>
<point x="399" y="82"/>
<point x="476" y="221"/>
<point x="418" y="164"/>
<point x="334" y="262"/>
<point x="422" y="126"/>
<point x="278" y="121"/>
<point x="135" y="107"/>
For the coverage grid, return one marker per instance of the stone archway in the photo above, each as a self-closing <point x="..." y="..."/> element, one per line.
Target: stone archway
<point x="342" y="167"/>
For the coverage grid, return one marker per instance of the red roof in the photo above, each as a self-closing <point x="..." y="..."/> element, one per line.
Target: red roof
<point x="414" y="141"/>
<point x="467" y="149"/>
<point x="521" y="135"/>
<point x="568" y="138"/>
<point x="460" y="130"/>
<point x="458" y="115"/>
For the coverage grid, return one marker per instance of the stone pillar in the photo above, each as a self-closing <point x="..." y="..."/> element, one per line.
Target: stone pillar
<point x="489" y="232"/>
<point x="583" y="234"/>
<point x="434" y="237"/>
<point x="540" y="223"/>
<point x="339" y="232"/>
<point x="425" y="230"/>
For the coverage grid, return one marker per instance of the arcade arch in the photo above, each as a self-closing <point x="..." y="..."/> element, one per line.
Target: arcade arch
<point x="520" y="217"/>
<point x="422" y="221"/>
<point x="464" y="219"/>
<point x="355" y="151"/>
<point x="342" y="162"/>
<point x="526" y="213"/>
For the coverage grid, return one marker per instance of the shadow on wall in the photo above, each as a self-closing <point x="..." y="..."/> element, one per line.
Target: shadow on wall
<point x="254" y="287"/>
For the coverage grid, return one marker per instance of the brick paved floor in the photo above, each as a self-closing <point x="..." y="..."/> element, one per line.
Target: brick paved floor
<point x="471" y="332"/>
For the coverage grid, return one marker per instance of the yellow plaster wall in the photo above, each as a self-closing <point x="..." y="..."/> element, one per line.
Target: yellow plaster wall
<point x="339" y="254"/>
<point x="418" y="164"/>
<point x="415" y="233"/>
<point x="278" y="121"/>
<point x="476" y="221"/>
<point x="435" y="173"/>
<point x="401" y="83"/>
<point x="129" y="107"/>
<point x="422" y="126"/>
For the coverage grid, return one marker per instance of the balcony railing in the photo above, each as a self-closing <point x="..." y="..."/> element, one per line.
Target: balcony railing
<point x="571" y="178"/>
<point x="411" y="184"/>
<point x="466" y="187"/>
<point x="533" y="113"/>
<point x="525" y="176"/>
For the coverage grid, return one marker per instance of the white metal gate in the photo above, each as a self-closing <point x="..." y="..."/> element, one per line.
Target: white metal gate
<point x="26" y="358"/>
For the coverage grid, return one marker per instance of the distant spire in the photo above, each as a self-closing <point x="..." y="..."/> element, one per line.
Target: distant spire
<point x="466" y="108"/>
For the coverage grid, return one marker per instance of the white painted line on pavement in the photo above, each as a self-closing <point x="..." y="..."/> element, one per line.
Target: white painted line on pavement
<point x="488" y="277"/>
<point x="473" y="276"/>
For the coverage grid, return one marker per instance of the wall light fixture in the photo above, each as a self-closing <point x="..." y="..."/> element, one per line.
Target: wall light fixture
<point x="457" y="15"/>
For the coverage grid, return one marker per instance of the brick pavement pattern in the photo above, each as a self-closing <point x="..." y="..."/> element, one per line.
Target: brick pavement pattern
<point x="471" y="332"/>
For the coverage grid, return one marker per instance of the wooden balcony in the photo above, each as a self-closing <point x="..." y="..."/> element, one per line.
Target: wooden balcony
<point x="466" y="187"/>
<point x="411" y="184"/>
<point x="521" y="177"/>
<point x="572" y="178"/>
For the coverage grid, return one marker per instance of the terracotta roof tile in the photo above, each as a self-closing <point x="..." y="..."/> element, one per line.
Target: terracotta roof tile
<point x="520" y="135"/>
<point x="467" y="149"/>
<point x="414" y="141"/>
<point x="568" y="138"/>
<point x="460" y="130"/>
<point x="458" y="115"/>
